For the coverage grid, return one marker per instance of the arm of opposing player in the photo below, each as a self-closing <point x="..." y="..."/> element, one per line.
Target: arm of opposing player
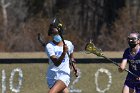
<point x="122" y="65"/>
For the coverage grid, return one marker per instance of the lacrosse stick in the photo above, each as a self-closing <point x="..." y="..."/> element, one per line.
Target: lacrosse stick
<point x="90" y="48"/>
<point x="60" y="29"/>
<point x="42" y="42"/>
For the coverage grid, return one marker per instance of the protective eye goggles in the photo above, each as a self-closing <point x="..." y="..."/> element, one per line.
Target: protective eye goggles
<point x="133" y="38"/>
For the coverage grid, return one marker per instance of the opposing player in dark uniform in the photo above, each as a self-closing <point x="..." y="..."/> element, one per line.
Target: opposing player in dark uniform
<point x="132" y="57"/>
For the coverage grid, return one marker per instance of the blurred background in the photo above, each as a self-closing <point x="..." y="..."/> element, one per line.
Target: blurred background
<point x="106" y="22"/>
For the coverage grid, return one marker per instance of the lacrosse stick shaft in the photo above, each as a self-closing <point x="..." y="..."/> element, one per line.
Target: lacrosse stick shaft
<point x="57" y="22"/>
<point x="92" y="49"/>
<point x="120" y="67"/>
<point x="71" y="63"/>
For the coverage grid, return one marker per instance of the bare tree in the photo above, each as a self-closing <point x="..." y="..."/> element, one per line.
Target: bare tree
<point x="4" y="11"/>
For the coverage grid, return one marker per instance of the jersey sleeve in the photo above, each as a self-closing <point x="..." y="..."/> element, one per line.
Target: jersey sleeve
<point x="49" y="50"/>
<point x="71" y="48"/>
<point x="125" y="54"/>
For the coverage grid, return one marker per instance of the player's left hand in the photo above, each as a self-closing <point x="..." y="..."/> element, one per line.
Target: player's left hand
<point x="76" y="70"/>
<point x="138" y="78"/>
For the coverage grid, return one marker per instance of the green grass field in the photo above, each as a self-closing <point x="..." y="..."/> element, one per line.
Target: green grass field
<point x="34" y="78"/>
<point x="34" y="74"/>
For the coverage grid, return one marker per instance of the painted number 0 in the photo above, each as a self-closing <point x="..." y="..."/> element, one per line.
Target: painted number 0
<point x="102" y="70"/>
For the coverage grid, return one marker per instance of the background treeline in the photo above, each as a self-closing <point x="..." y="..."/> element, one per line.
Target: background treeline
<point x="106" y="22"/>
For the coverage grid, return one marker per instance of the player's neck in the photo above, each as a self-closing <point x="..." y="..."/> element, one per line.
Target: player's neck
<point x="135" y="50"/>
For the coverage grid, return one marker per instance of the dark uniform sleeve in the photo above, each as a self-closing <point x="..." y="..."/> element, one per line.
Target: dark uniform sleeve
<point x="126" y="53"/>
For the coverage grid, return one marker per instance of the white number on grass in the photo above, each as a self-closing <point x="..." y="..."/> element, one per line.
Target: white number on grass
<point x="13" y="88"/>
<point x="72" y="89"/>
<point x="102" y="70"/>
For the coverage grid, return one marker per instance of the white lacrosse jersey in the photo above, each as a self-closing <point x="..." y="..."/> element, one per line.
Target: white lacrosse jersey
<point x="52" y="49"/>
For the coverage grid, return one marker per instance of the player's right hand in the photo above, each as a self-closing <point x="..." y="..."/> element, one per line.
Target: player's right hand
<point x="138" y="78"/>
<point x="65" y="48"/>
<point x="120" y="69"/>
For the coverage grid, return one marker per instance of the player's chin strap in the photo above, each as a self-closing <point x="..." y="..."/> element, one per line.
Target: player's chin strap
<point x="90" y="48"/>
<point x="60" y="29"/>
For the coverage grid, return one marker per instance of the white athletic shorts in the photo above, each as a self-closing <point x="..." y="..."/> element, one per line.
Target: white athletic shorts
<point x="53" y="76"/>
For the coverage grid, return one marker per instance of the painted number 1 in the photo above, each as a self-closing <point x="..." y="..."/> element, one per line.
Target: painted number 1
<point x="13" y="88"/>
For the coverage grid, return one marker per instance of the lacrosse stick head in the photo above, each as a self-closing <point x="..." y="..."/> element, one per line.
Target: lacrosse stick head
<point x="90" y="48"/>
<point x="56" y="24"/>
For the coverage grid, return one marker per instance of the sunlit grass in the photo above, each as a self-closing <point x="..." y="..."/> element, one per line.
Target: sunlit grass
<point x="34" y="78"/>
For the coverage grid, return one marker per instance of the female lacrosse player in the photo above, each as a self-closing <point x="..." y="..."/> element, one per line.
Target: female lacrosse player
<point x="132" y="56"/>
<point x="58" y="73"/>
